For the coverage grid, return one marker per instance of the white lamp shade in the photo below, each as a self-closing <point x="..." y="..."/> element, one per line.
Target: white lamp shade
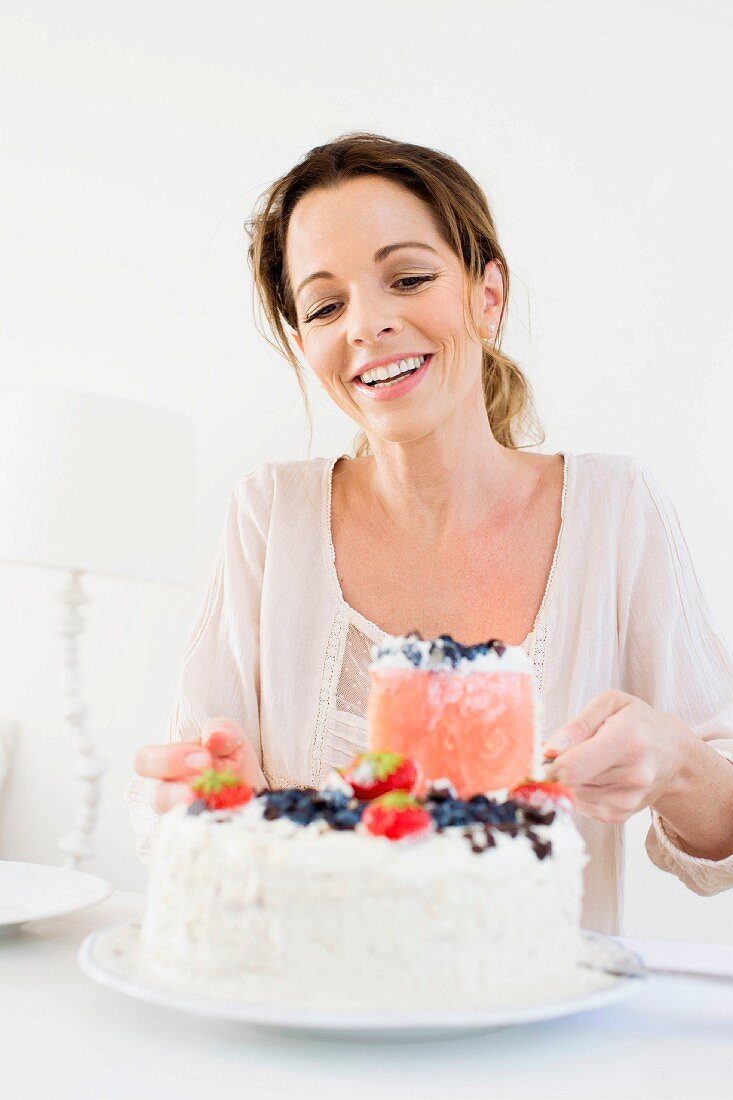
<point x="97" y="485"/>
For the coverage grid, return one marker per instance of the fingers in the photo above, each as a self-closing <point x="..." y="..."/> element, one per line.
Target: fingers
<point x="169" y="794"/>
<point x="587" y="761"/>
<point x="611" y="804"/>
<point x="231" y="748"/>
<point x="179" y="760"/>
<point x="587" y="723"/>
<point x="223" y="745"/>
<point x="222" y="736"/>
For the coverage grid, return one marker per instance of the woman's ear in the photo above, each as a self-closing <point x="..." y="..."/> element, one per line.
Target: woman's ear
<point x="487" y="296"/>
<point x="493" y="290"/>
<point x="296" y="338"/>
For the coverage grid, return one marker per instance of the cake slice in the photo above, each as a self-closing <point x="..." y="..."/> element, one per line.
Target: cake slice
<point x="464" y="713"/>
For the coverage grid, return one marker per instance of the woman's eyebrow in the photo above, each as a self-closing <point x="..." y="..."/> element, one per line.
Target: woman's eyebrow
<point x="379" y="255"/>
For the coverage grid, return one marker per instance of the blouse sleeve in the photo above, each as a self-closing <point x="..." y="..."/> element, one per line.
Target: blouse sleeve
<point x="219" y="674"/>
<point x="672" y="655"/>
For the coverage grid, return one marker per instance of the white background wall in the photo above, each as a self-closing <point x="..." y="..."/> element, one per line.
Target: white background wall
<point x="138" y="139"/>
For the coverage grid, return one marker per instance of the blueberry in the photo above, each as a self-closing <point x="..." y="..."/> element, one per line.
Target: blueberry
<point x="506" y="811"/>
<point x="346" y="819"/>
<point x="460" y="813"/>
<point x="283" y="799"/>
<point x="301" y="817"/>
<point x="451" y="650"/>
<point x="441" y="813"/>
<point x="196" y="807"/>
<point x="413" y="654"/>
<point x="487" y="815"/>
<point x="336" y="800"/>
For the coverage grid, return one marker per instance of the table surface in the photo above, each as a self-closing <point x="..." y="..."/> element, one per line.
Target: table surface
<point x="63" y="1035"/>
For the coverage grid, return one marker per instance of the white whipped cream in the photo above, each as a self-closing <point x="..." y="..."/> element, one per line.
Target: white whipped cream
<point x="334" y="781"/>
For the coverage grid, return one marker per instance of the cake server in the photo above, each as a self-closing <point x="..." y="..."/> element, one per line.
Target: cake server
<point x="626" y="963"/>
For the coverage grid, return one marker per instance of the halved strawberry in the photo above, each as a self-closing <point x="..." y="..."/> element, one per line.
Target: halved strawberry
<point x="221" y="790"/>
<point x="372" y="774"/>
<point x="543" y="795"/>
<point x="395" y="815"/>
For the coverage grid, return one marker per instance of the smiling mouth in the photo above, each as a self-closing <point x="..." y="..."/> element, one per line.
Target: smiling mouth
<point x="386" y="382"/>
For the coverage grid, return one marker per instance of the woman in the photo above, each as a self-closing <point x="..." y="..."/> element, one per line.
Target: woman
<point x="372" y="252"/>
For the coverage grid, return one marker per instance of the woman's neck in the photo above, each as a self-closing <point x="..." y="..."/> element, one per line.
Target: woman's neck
<point x="448" y="484"/>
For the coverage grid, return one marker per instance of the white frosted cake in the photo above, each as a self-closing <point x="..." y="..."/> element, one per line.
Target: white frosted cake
<point x="333" y="899"/>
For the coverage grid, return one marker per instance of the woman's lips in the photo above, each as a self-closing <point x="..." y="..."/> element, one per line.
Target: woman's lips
<point x="396" y="389"/>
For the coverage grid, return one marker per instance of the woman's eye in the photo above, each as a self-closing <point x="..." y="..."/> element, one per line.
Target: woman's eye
<point x="415" y="279"/>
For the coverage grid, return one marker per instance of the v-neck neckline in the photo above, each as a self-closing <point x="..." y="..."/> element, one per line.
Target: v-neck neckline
<point x="376" y="633"/>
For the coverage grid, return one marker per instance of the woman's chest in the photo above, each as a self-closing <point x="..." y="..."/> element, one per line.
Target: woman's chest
<point x="491" y="586"/>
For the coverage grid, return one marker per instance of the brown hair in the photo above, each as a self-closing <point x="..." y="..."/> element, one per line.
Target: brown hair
<point x="463" y="219"/>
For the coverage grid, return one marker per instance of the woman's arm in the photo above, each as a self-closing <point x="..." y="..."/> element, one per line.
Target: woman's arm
<point x="697" y="807"/>
<point x="673" y="655"/>
<point x="665" y="740"/>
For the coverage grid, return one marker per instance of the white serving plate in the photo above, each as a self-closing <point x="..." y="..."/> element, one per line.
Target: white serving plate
<point x="111" y="957"/>
<point x="33" y="891"/>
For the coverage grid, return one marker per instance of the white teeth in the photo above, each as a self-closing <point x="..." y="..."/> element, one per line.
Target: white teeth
<point x="381" y="374"/>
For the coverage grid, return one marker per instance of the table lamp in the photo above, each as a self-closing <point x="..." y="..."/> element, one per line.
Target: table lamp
<point x="93" y="484"/>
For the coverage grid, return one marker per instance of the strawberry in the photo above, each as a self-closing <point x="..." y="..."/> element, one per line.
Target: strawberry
<point x="372" y="774"/>
<point x="395" y="815"/>
<point x="221" y="790"/>
<point x="543" y="795"/>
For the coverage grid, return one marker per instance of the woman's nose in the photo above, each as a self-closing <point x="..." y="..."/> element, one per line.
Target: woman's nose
<point x="365" y="331"/>
<point x="369" y="320"/>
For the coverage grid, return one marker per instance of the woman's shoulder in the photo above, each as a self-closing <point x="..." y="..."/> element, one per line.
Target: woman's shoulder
<point x="613" y="467"/>
<point x="289" y="483"/>
<point x="618" y="496"/>
<point x="611" y="499"/>
<point x="606" y="479"/>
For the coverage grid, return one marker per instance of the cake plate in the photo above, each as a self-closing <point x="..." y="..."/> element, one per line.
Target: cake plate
<point x="111" y="956"/>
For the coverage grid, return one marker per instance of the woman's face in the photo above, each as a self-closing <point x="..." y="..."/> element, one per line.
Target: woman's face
<point x="371" y="307"/>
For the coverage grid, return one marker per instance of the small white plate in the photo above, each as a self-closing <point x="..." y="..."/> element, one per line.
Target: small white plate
<point x="34" y="891"/>
<point x="111" y="957"/>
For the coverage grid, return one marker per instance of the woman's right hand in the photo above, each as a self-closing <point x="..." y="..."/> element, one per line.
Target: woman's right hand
<point x="223" y="745"/>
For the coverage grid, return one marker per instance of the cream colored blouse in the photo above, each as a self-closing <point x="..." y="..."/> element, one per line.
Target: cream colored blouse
<point x="276" y="647"/>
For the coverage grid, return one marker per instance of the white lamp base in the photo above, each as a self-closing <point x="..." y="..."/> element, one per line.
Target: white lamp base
<point x="88" y="767"/>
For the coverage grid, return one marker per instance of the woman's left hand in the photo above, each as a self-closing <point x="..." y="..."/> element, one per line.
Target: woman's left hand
<point x="617" y="756"/>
